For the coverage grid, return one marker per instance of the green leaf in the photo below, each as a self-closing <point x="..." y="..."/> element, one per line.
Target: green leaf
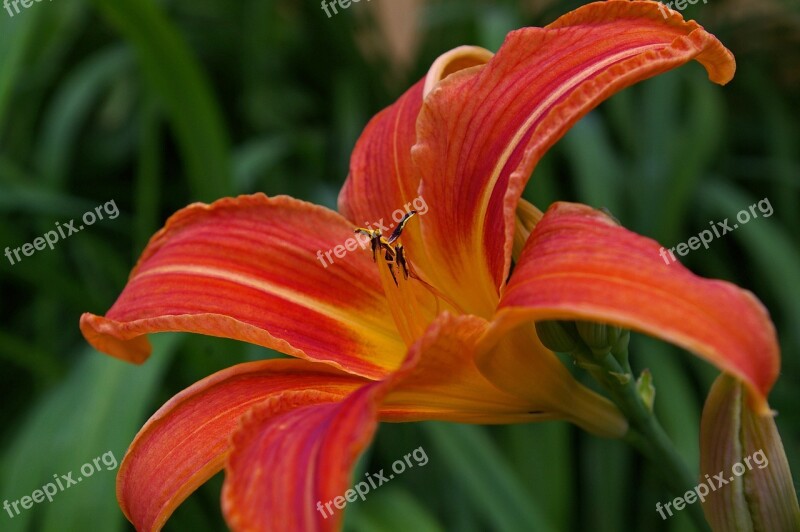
<point x="97" y="410"/>
<point x="390" y="510"/>
<point x="15" y="38"/>
<point x="176" y="77"/>
<point x="71" y="107"/>
<point x="677" y="406"/>
<point x="597" y="170"/>
<point x="491" y="487"/>
<point x="550" y="481"/>
<point x="697" y="143"/>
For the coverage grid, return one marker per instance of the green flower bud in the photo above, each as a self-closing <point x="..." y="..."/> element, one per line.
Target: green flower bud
<point x="620" y="349"/>
<point x="746" y="482"/>
<point x="559" y="336"/>
<point x="598" y="336"/>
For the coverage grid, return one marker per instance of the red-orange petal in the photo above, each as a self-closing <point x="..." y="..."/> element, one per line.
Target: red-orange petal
<point x="382" y="184"/>
<point x="482" y="131"/>
<point x="517" y="362"/>
<point x="289" y="456"/>
<point x="290" y="459"/>
<point x="249" y="268"/>
<point x="381" y="177"/>
<point x="580" y="265"/>
<point x="440" y="381"/>
<point x="188" y="440"/>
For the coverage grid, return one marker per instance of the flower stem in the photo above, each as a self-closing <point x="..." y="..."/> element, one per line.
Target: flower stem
<point x="645" y="434"/>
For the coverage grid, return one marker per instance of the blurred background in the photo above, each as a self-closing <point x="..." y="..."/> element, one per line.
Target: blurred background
<point x="158" y="104"/>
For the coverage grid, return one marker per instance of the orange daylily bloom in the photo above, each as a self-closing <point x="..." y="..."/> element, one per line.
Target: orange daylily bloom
<point x="455" y="340"/>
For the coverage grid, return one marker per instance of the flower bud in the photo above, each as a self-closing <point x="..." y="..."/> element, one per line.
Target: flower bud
<point x="559" y="336"/>
<point x="599" y="337"/>
<point x="746" y="482"/>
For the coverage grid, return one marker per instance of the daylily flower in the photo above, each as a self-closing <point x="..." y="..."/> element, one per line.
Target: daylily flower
<point x="455" y="340"/>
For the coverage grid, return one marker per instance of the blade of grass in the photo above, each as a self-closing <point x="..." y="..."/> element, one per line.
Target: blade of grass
<point x="391" y="510"/>
<point x="597" y="170"/>
<point x="177" y="78"/>
<point x="550" y="481"/>
<point x="148" y="180"/>
<point x="71" y="107"/>
<point x="698" y="143"/>
<point x="16" y="37"/>
<point x="605" y="468"/>
<point x="98" y="409"/>
<point x="490" y="483"/>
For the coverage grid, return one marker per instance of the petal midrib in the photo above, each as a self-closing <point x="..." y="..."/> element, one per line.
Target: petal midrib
<point x="356" y="320"/>
<point x="538" y="112"/>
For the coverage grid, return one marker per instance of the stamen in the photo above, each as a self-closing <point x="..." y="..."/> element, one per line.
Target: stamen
<point x="394" y="255"/>
<point x="374" y="238"/>
<point x="413" y="304"/>
<point x="400" y="226"/>
<point x="401" y="260"/>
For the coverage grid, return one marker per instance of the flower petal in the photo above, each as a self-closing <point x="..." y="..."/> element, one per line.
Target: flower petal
<point x="517" y="362"/>
<point x="516" y="380"/>
<point x="482" y="131"/>
<point x="441" y="381"/>
<point x="289" y="459"/>
<point x="579" y="265"/>
<point x="249" y="268"/>
<point x="289" y="456"/>
<point x="383" y="182"/>
<point x="381" y="177"/>
<point x="187" y="441"/>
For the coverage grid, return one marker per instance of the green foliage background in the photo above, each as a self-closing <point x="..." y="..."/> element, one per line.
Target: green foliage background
<point x="158" y="104"/>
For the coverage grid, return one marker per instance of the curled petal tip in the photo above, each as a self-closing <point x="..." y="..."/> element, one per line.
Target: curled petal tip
<point x="105" y="336"/>
<point x="450" y="62"/>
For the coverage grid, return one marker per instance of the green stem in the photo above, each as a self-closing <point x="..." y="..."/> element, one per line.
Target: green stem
<point x="645" y="433"/>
